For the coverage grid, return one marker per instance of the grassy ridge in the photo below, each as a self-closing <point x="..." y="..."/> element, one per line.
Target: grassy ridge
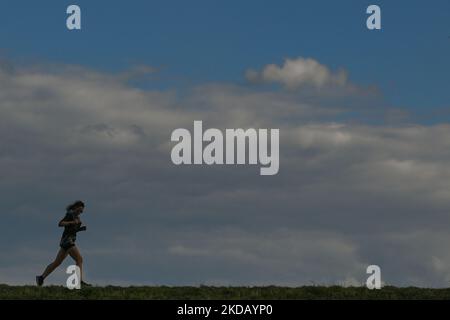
<point x="205" y="292"/>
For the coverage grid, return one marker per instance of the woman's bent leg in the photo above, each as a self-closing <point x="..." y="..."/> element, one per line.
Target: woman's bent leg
<point x="62" y="254"/>
<point x="75" y="254"/>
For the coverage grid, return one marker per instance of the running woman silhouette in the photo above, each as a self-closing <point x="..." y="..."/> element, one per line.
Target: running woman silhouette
<point x="72" y="224"/>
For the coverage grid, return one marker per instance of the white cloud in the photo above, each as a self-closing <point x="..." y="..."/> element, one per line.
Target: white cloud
<point x="298" y="73"/>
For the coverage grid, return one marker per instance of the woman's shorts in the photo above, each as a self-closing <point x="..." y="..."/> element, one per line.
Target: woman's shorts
<point x="67" y="243"/>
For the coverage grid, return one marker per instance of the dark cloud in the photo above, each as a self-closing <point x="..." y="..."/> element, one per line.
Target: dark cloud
<point x="348" y="194"/>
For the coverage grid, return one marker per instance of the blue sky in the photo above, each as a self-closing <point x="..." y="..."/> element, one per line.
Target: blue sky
<point x="199" y="41"/>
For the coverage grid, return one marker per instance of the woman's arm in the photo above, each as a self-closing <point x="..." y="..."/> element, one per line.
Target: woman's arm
<point x="63" y="223"/>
